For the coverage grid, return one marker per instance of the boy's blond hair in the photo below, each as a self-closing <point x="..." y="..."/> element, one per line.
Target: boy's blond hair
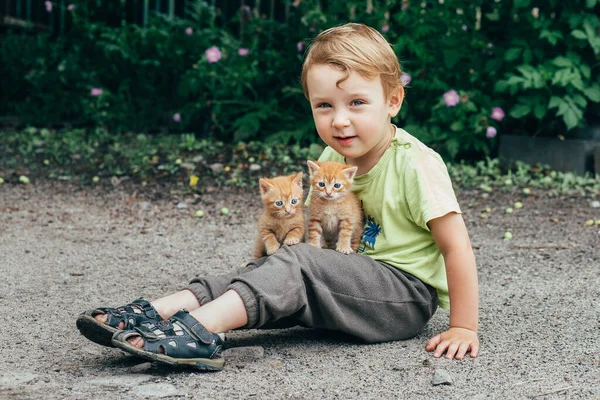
<point x="355" y="47"/>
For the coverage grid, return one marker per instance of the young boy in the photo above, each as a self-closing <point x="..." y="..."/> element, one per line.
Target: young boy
<point x="415" y="252"/>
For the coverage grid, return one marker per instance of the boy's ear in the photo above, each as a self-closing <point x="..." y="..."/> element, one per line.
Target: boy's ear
<point x="395" y="101"/>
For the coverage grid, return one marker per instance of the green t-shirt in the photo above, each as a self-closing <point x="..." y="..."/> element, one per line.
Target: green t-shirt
<point x="408" y="187"/>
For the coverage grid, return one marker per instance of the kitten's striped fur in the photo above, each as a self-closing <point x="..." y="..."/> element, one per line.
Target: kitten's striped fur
<point x="335" y="212"/>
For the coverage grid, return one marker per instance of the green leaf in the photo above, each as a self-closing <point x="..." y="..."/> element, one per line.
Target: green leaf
<point x="551" y="36"/>
<point x="570" y="118"/>
<point x="492" y="16"/>
<point x="457" y="126"/>
<point x="580" y="100"/>
<point x="452" y="146"/>
<point x="520" y="110"/>
<point x="501" y="86"/>
<point x="512" y="53"/>
<point x="540" y="111"/>
<point x="579" y="34"/>
<point x="593" y="93"/>
<point x="590" y="3"/>
<point x="521" y="3"/>
<point x="554" y="102"/>
<point x="562" y="62"/>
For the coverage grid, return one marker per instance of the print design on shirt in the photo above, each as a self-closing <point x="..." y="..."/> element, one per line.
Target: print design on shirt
<point x="369" y="236"/>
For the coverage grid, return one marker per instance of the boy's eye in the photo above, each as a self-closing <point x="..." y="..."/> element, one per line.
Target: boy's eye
<point x="279" y="203"/>
<point x="357" y="102"/>
<point x="337" y="186"/>
<point x="294" y="201"/>
<point x="323" y="105"/>
<point x="322" y="184"/>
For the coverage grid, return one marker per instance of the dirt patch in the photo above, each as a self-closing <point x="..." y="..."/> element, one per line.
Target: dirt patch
<point x="65" y="249"/>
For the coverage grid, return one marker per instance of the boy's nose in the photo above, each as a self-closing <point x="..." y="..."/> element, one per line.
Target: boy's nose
<point x="340" y="120"/>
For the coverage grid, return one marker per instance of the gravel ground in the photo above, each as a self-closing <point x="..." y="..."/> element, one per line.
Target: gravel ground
<point x="65" y="249"/>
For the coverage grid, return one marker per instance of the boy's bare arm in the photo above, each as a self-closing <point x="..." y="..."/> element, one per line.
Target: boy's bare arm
<point x="450" y="235"/>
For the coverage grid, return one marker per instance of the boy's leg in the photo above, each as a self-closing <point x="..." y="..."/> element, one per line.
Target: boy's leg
<point x="330" y="290"/>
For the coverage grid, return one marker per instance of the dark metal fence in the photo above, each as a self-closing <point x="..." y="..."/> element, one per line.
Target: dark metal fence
<point x="55" y="16"/>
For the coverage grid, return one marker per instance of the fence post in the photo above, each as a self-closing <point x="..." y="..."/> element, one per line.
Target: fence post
<point x="171" y="9"/>
<point x="146" y="6"/>
<point x="62" y="16"/>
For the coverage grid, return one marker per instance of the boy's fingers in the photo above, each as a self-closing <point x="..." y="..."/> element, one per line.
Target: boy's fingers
<point x="441" y="348"/>
<point x="474" y="350"/>
<point x="433" y="342"/>
<point x="462" y="350"/>
<point x="451" y="351"/>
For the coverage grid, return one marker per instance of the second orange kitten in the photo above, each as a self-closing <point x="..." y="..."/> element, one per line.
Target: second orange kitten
<point x="282" y="221"/>
<point x="335" y="212"/>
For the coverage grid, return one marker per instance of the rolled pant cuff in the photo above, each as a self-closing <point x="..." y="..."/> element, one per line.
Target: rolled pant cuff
<point x="199" y="291"/>
<point x="249" y="299"/>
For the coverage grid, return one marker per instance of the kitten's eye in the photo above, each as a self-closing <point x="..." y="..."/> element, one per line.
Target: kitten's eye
<point x="322" y="184"/>
<point x="337" y="186"/>
<point x="294" y="201"/>
<point x="279" y="203"/>
<point x="357" y="102"/>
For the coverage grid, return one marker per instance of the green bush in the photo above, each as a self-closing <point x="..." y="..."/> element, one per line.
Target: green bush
<point x="467" y="64"/>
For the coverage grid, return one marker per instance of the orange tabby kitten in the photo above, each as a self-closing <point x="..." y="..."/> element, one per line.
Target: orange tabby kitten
<point x="282" y="221"/>
<point x="335" y="212"/>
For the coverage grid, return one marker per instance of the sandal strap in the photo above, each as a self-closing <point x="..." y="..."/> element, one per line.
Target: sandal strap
<point x="193" y="340"/>
<point x="137" y="312"/>
<point x="195" y="328"/>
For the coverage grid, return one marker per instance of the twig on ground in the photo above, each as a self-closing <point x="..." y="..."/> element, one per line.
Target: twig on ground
<point x="561" y="389"/>
<point x="529" y="381"/>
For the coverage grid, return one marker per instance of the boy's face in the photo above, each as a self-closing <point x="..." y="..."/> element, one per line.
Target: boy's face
<point x="354" y="118"/>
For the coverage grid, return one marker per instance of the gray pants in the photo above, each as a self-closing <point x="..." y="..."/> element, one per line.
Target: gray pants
<point x="303" y="285"/>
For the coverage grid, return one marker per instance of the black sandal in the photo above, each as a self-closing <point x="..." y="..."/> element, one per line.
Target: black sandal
<point x="179" y="341"/>
<point x="137" y="313"/>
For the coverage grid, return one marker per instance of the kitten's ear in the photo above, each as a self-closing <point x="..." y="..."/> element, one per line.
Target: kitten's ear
<point x="297" y="180"/>
<point x="265" y="186"/>
<point x="313" y="167"/>
<point x="350" y="172"/>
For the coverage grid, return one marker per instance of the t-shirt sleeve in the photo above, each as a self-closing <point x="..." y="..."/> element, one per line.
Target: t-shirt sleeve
<point x="428" y="188"/>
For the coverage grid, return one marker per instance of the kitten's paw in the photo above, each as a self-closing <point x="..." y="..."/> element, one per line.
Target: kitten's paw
<point x="272" y="250"/>
<point x="291" y="241"/>
<point x="345" y="250"/>
<point x="316" y="244"/>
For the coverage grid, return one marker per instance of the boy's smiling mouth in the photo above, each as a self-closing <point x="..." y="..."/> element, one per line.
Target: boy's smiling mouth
<point x="345" y="140"/>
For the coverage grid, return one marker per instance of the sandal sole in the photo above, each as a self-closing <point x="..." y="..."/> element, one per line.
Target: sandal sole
<point x="203" y="364"/>
<point x="96" y="331"/>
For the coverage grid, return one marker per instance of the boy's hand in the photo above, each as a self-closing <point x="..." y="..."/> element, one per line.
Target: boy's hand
<point x="455" y="342"/>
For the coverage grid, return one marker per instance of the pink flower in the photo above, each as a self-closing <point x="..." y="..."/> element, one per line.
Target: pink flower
<point x="48" y="5"/>
<point x="213" y="54"/>
<point x="300" y="46"/>
<point x="71" y="7"/>
<point x="385" y="28"/>
<point x="97" y="92"/>
<point x="177" y="117"/>
<point x="189" y="31"/>
<point x="243" y="51"/>
<point x="405" y="5"/>
<point x="297" y="3"/>
<point x="497" y="114"/>
<point x="405" y="79"/>
<point x="490" y="132"/>
<point x="451" y="98"/>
